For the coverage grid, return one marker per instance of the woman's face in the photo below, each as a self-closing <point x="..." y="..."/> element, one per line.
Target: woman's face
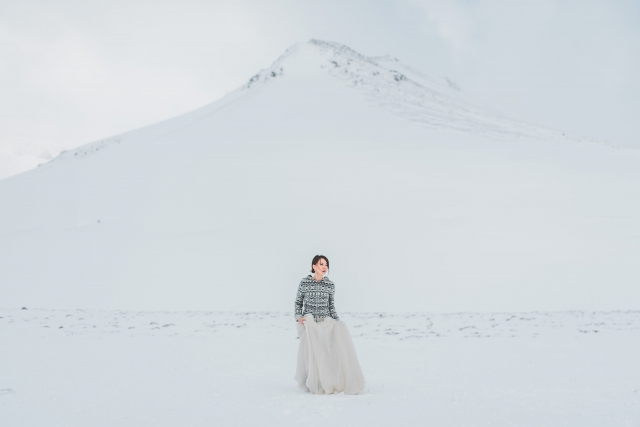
<point x="321" y="267"/>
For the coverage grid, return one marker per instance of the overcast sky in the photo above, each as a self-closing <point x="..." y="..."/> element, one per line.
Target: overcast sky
<point x="74" y="71"/>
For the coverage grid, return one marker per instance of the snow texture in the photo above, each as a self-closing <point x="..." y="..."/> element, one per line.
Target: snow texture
<point x="133" y="368"/>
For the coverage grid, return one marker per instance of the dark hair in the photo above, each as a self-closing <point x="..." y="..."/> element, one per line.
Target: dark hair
<point x="317" y="259"/>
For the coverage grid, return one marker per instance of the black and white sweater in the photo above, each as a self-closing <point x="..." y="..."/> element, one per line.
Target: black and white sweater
<point x="316" y="298"/>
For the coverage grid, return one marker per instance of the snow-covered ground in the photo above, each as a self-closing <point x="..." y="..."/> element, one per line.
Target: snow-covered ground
<point x="132" y="368"/>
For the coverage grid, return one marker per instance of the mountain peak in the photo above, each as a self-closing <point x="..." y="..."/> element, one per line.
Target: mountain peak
<point x="402" y="90"/>
<point x="383" y="81"/>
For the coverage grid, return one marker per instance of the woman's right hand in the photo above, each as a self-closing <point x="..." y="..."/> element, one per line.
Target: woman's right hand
<point x="302" y="320"/>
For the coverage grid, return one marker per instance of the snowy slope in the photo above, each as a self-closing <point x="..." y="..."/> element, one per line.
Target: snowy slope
<point x="421" y="200"/>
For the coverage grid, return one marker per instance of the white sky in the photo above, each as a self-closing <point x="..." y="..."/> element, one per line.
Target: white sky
<point x="73" y="71"/>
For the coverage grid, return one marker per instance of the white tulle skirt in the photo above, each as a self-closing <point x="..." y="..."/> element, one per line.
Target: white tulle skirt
<point x="327" y="361"/>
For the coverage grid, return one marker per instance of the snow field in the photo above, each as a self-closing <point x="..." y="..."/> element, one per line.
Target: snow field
<point x="128" y="368"/>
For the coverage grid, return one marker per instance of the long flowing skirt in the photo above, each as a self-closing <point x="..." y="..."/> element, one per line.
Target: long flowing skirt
<point x="327" y="361"/>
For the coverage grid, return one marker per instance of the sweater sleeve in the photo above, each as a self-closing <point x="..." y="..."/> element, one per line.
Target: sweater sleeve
<point x="332" y="308"/>
<point x="299" y="302"/>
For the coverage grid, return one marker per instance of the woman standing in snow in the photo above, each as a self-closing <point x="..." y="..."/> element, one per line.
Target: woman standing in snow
<point x="327" y="361"/>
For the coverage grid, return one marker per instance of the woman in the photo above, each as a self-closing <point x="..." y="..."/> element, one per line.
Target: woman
<point x="327" y="361"/>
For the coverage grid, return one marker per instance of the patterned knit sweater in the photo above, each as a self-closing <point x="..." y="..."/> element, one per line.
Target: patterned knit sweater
<point x="316" y="298"/>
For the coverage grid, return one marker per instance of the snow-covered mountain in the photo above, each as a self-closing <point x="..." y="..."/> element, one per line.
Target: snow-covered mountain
<point x="421" y="200"/>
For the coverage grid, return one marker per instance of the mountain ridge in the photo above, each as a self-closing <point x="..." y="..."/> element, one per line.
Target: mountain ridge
<point x="426" y="101"/>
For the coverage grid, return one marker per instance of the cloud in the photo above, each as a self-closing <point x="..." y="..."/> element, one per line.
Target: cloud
<point x="564" y="64"/>
<point x="450" y="21"/>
